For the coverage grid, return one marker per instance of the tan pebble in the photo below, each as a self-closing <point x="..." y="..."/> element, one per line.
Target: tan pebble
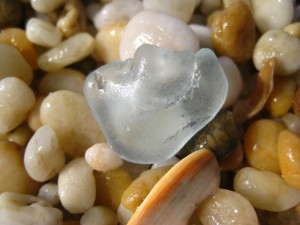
<point x="279" y="44"/>
<point x="181" y="9"/>
<point x="16" y="100"/>
<point x="14" y="177"/>
<point x="49" y="192"/>
<point x="272" y="14"/>
<point x="108" y="42"/>
<point x="10" y="57"/>
<point x="67" y="52"/>
<point x="43" y="157"/>
<point x="64" y="79"/>
<point x="33" y="118"/>
<point x="293" y="29"/>
<point x="72" y="19"/>
<point x="228" y="3"/>
<point x="76" y="186"/>
<point x="265" y="190"/>
<point x="99" y="215"/>
<point x="68" y="114"/>
<point x="134" y="169"/>
<point x="227" y="208"/>
<point x="237" y="39"/>
<point x="20" y="135"/>
<point x="291" y="122"/>
<point x="137" y="191"/>
<point x="296" y="103"/>
<point x="101" y="157"/>
<point x="289" y="157"/>
<point x="111" y="186"/>
<point x="281" y="98"/>
<point x="260" y="144"/>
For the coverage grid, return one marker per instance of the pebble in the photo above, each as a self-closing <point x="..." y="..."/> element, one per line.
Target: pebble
<point x="43" y="33"/>
<point x="102" y="157"/>
<point x="116" y="11"/>
<point x="234" y="79"/>
<point x="67" y="52"/>
<point x="237" y="39"/>
<point x="204" y="35"/>
<point x="291" y="122"/>
<point x="33" y="118"/>
<point x="64" y="79"/>
<point x="296" y="103"/>
<point x="108" y="42"/>
<point x="209" y="6"/>
<point x="49" y="192"/>
<point x="182" y="10"/>
<point x="265" y="190"/>
<point x="110" y="187"/>
<point x="272" y="14"/>
<point x="99" y="215"/>
<point x="260" y="144"/>
<point x="227" y="208"/>
<point x="289" y="157"/>
<point x="45" y="6"/>
<point x="43" y="157"/>
<point x="69" y="115"/>
<point x="18" y="39"/>
<point x="281" y="98"/>
<point x="169" y="162"/>
<point x="10" y="57"/>
<point x="16" y="100"/>
<point x="76" y="186"/>
<point x="20" y="135"/>
<point x="279" y="44"/>
<point x="293" y="29"/>
<point x="152" y="27"/>
<point x="14" y="177"/>
<point x="20" y="209"/>
<point x="72" y="19"/>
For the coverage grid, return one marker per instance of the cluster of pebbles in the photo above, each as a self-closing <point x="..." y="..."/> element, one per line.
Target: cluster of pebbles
<point x="56" y="167"/>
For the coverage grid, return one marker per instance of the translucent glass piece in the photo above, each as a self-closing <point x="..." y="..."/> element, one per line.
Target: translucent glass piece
<point x="149" y="106"/>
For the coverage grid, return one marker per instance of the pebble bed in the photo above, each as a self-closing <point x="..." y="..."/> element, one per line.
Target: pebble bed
<point x="55" y="165"/>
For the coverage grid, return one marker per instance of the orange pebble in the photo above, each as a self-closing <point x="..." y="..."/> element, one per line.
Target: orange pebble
<point x="234" y="160"/>
<point x="17" y="38"/>
<point x="281" y="99"/>
<point x="289" y="157"/>
<point x="296" y="104"/>
<point x="260" y="144"/>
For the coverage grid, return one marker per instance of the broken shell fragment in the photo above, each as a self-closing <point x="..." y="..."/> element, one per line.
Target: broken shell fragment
<point x="155" y="102"/>
<point x="197" y="174"/>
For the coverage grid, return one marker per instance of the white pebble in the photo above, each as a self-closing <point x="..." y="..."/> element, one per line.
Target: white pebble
<point x="116" y="11"/>
<point x="16" y="100"/>
<point x="21" y="209"/>
<point x="99" y="215"/>
<point x="64" y="79"/>
<point x="101" y="157"/>
<point x="46" y="6"/>
<point x="204" y="35"/>
<point x="49" y="192"/>
<point x="227" y="208"/>
<point x="169" y="162"/>
<point x="181" y="9"/>
<point x="292" y="122"/>
<point x="67" y="52"/>
<point x="69" y="115"/>
<point x="272" y="14"/>
<point x="152" y="27"/>
<point x="265" y="190"/>
<point x="42" y="33"/>
<point x="234" y="79"/>
<point x="283" y="46"/>
<point x="76" y="186"/>
<point x="43" y="157"/>
<point x="12" y="63"/>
